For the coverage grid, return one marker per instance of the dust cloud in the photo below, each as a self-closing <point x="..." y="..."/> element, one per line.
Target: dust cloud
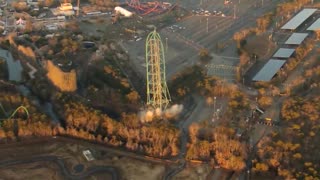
<point x="170" y="113"/>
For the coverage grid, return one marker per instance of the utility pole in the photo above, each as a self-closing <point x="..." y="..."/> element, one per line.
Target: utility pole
<point x="134" y="31"/>
<point x="78" y="4"/>
<point x="166" y="44"/>
<point x="207" y="25"/>
<point x="214" y="104"/>
<point x="214" y="109"/>
<point x="234" y="12"/>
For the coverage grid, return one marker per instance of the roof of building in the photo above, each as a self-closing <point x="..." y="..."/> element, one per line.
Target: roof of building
<point x="88" y="155"/>
<point x="296" y="38"/>
<point x="314" y="26"/>
<point x="283" y="53"/>
<point x="269" y="70"/>
<point x="298" y="19"/>
<point x="20" y="22"/>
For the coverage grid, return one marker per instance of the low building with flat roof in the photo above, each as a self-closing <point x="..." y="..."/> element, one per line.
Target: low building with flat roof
<point x="88" y="155"/>
<point x="296" y="38"/>
<point x="315" y="26"/>
<point x="298" y="19"/>
<point x="269" y="70"/>
<point x="284" y="53"/>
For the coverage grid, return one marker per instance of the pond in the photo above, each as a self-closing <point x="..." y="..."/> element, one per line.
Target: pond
<point x="14" y="66"/>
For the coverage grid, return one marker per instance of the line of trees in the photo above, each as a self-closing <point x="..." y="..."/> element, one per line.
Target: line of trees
<point x="18" y="128"/>
<point x="285" y="8"/>
<point x="103" y="3"/>
<point x="160" y="140"/>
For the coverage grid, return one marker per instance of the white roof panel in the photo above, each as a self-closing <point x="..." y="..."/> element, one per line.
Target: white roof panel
<point x="269" y="70"/>
<point x="296" y="38"/>
<point x="283" y="53"/>
<point x="298" y="19"/>
<point x="314" y="26"/>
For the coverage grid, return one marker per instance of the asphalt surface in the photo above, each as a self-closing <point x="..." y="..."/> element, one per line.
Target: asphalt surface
<point x="198" y="112"/>
<point x="59" y="161"/>
<point x="173" y="172"/>
<point x="92" y="170"/>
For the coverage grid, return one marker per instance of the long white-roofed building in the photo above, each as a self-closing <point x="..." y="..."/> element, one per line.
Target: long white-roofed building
<point x="296" y="38"/>
<point x="123" y="11"/>
<point x="284" y="53"/>
<point x="315" y="26"/>
<point x="269" y="70"/>
<point x="298" y="19"/>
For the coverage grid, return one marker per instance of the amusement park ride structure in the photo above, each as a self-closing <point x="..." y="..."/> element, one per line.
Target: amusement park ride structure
<point x="149" y="7"/>
<point x="14" y="112"/>
<point x="158" y="96"/>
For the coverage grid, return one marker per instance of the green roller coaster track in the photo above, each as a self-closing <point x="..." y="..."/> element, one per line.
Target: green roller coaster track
<point x="157" y="90"/>
<point x="5" y="113"/>
<point x="14" y="112"/>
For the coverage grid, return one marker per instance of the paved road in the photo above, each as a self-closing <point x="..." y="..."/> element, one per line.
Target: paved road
<point x="91" y="170"/>
<point x="175" y="171"/>
<point x="200" y="112"/>
<point x="67" y="139"/>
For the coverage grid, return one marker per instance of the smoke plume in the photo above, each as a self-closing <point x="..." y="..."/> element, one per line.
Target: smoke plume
<point x="170" y="113"/>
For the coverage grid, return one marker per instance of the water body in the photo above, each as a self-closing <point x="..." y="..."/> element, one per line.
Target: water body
<point x="15" y="71"/>
<point x="14" y="67"/>
<point x="78" y="168"/>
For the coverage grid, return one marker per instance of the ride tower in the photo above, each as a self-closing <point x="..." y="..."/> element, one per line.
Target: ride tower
<point x="158" y="96"/>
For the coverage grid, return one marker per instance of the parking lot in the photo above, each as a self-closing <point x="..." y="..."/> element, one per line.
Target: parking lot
<point x="210" y="24"/>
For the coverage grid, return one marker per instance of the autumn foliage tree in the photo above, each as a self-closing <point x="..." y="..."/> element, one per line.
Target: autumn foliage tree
<point x="292" y="152"/>
<point x="20" y="126"/>
<point x="264" y="22"/>
<point x="238" y="103"/>
<point x="106" y="3"/>
<point x="218" y="145"/>
<point x="65" y="81"/>
<point x="155" y="140"/>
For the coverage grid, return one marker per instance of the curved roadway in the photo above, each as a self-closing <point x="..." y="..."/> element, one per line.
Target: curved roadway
<point x="62" y="166"/>
<point x="197" y="112"/>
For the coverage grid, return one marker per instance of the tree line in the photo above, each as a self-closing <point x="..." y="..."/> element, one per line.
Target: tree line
<point x="157" y="139"/>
